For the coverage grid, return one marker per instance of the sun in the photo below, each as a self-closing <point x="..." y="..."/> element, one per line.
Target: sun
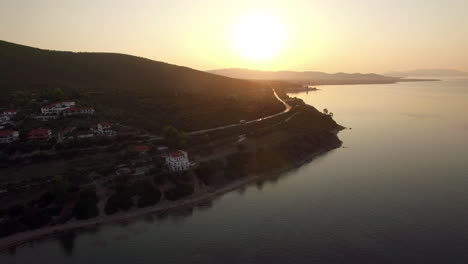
<point x="259" y="36"/>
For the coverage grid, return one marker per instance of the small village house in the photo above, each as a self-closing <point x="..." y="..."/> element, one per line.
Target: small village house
<point x="104" y="129"/>
<point x="45" y="117"/>
<point x="178" y="161"/>
<point x="40" y="134"/>
<point x="8" y="136"/>
<point x="4" y="119"/>
<point x="10" y="113"/>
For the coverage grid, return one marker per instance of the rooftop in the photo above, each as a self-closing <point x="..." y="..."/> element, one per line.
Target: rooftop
<point x="7" y="133"/>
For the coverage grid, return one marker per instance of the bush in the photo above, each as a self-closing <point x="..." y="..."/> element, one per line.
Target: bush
<point x="148" y="194"/>
<point x="35" y="220"/>
<point x="178" y="192"/>
<point x="120" y="200"/>
<point x="9" y="227"/>
<point x="207" y="171"/>
<point x="86" y="207"/>
<point x="16" y="210"/>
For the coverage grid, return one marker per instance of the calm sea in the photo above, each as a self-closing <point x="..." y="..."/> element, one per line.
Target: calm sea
<point x="397" y="192"/>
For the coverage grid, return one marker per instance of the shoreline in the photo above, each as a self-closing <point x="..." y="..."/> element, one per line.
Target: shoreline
<point x="22" y="238"/>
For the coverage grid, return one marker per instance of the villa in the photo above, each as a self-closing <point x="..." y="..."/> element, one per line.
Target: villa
<point x="178" y="161"/>
<point x="40" y="134"/>
<point x="56" y="108"/>
<point x="78" y="111"/>
<point x="8" y="136"/>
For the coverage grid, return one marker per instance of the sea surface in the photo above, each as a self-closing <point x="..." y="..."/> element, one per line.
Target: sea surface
<point x="397" y="192"/>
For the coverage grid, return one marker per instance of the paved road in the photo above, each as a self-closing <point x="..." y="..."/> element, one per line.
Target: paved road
<point x="286" y="110"/>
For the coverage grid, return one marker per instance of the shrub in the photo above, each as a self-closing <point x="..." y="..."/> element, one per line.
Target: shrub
<point x="120" y="200"/>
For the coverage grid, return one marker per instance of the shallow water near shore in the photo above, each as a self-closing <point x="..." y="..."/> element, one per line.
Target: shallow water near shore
<point x="397" y="192"/>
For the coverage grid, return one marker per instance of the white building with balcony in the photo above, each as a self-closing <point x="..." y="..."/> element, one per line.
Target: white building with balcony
<point x="178" y="161"/>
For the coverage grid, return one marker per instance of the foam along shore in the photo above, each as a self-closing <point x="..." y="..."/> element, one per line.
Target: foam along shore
<point x="202" y="196"/>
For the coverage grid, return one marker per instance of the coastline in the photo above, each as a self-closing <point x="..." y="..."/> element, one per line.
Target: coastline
<point x="205" y="195"/>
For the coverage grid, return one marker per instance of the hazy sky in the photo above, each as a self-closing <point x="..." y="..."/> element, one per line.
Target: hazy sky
<point x="325" y="35"/>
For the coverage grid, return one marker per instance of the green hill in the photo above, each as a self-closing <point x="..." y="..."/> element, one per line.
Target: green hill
<point x="138" y="91"/>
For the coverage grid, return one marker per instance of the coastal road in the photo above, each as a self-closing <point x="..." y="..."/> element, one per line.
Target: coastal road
<point x="286" y="110"/>
<point x="198" y="132"/>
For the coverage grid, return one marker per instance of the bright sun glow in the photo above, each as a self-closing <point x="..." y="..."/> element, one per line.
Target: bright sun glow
<point x="259" y="36"/>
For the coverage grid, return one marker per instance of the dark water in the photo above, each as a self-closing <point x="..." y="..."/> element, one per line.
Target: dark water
<point x="396" y="193"/>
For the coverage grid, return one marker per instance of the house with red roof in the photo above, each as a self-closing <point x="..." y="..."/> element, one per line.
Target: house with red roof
<point x="178" y="160"/>
<point x="78" y="111"/>
<point x="40" y="134"/>
<point x="8" y="136"/>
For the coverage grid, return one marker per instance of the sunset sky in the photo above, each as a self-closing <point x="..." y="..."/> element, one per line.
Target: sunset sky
<point x="332" y="35"/>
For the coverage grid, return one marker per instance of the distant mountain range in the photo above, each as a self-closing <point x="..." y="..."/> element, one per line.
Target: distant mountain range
<point x="428" y="73"/>
<point x="307" y="77"/>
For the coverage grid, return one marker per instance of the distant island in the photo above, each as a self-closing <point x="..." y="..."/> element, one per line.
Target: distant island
<point x="428" y="73"/>
<point x="93" y="138"/>
<point x="311" y="77"/>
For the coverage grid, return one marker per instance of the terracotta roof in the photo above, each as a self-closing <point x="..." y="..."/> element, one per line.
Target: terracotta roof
<point x="177" y="154"/>
<point x="105" y="124"/>
<point x="39" y="132"/>
<point x="6" y="133"/>
<point x="142" y="148"/>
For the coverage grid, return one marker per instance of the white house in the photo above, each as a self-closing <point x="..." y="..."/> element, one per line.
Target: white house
<point x="45" y="117"/>
<point x="103" y="128"/>
<point x="10" y="113"/>
<point x="4" y="119"/>
<point x="56" y="108"/>
<point x="78" y="111"/>
<point x="178" y="161"/>
<point x="8" y="136"/>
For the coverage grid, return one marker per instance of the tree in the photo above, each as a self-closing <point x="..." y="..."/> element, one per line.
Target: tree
<point x="174" y="138"/>
<point x="325" y="111"/>
<point x="52" y="94"/>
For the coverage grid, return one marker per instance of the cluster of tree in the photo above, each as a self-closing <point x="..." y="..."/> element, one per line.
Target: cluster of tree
<point x="174" y="138"/>
<point x="38" y="213"/>
<point x="148" y="195"/>
<point x="28" y="146"/>
<point x="210" y="172"/>
<point x="237" y="165"/>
